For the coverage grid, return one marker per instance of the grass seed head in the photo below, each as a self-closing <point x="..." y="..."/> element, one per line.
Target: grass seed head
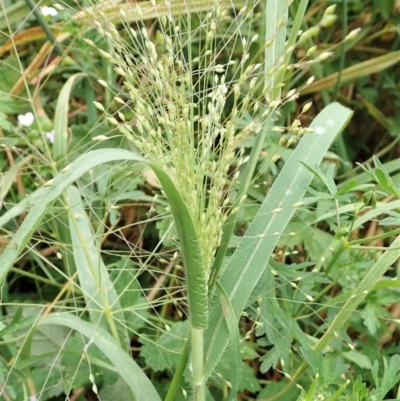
<point x="187" y="101"/>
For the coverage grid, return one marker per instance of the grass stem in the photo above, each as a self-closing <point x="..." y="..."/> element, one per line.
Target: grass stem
<point x="199" y="387"/>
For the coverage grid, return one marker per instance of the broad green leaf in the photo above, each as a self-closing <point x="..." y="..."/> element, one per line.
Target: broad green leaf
<point x="79" y="167"/>
<point x="370" y="319"/>
<point x="381" y="208"/>
<point x="384" y="7"/>
<point x="350" y="186"/>
<point x="276" y="322"/>
<point x="135" y="305"/>
<point x="10" y="72"/>
<point x="77" y="371"/>
<point x="16" y="324"/>
<point x="133" y="375"/>
<point x="394" y="220"/>
<point x="253" y="253"/>
<point x="359" y="391"/>
<point x="270" y="359"/>
<point x="357" y="357"/>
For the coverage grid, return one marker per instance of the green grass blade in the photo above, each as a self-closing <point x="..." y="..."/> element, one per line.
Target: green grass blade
<point x="230" y="319"/>
<point x="7" y="178"/>
<point x="133" y="375"/>
<point x="100" y="296"/>
<point x="296" y="27"/>
<point x="196" y="282"/>
<point x="251" y="257"/>
<point x="60" y="151"/>
<point x="194" y="270"/>
<point x="178" y="375"/>
<point x="60" y="147"/>
<point x="22" y="206"/>
<point x="275" y="12"/>
<point x="79" y="167"/>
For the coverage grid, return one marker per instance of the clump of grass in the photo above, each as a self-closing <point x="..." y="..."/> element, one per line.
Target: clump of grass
<point x="195" y="88"/>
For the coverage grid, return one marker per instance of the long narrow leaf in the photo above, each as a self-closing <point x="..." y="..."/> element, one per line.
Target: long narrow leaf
<point x="276" y="11"/>
<point x="100" y="296"/>
<point x="133" y="375"/>
<point x="251" y="257"/>
<point x="196" y="284"/>
<point x="7" y="178"/>
<point x="60" y="147"/>
<point x="22" y="206"/>
<point x="233" y="329"/>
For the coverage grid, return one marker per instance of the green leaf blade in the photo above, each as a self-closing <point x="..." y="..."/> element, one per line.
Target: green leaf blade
<point x="128" y="369"/>
<point x="191" y="252"/>
<point x="60" y="147"/>
<point x="95" y="282"/>
<point x="251" y="257"/>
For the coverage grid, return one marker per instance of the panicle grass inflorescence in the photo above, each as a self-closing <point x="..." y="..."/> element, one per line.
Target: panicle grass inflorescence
<point x="195" y="87"/>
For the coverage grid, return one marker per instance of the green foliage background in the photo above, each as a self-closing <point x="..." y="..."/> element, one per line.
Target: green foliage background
<point x="303" y="305"/>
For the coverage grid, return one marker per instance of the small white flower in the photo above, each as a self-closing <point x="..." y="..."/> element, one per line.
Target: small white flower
<point x="50" y="136"/>
<point x="48" y="11"/>
<point x="26" y="120"/>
